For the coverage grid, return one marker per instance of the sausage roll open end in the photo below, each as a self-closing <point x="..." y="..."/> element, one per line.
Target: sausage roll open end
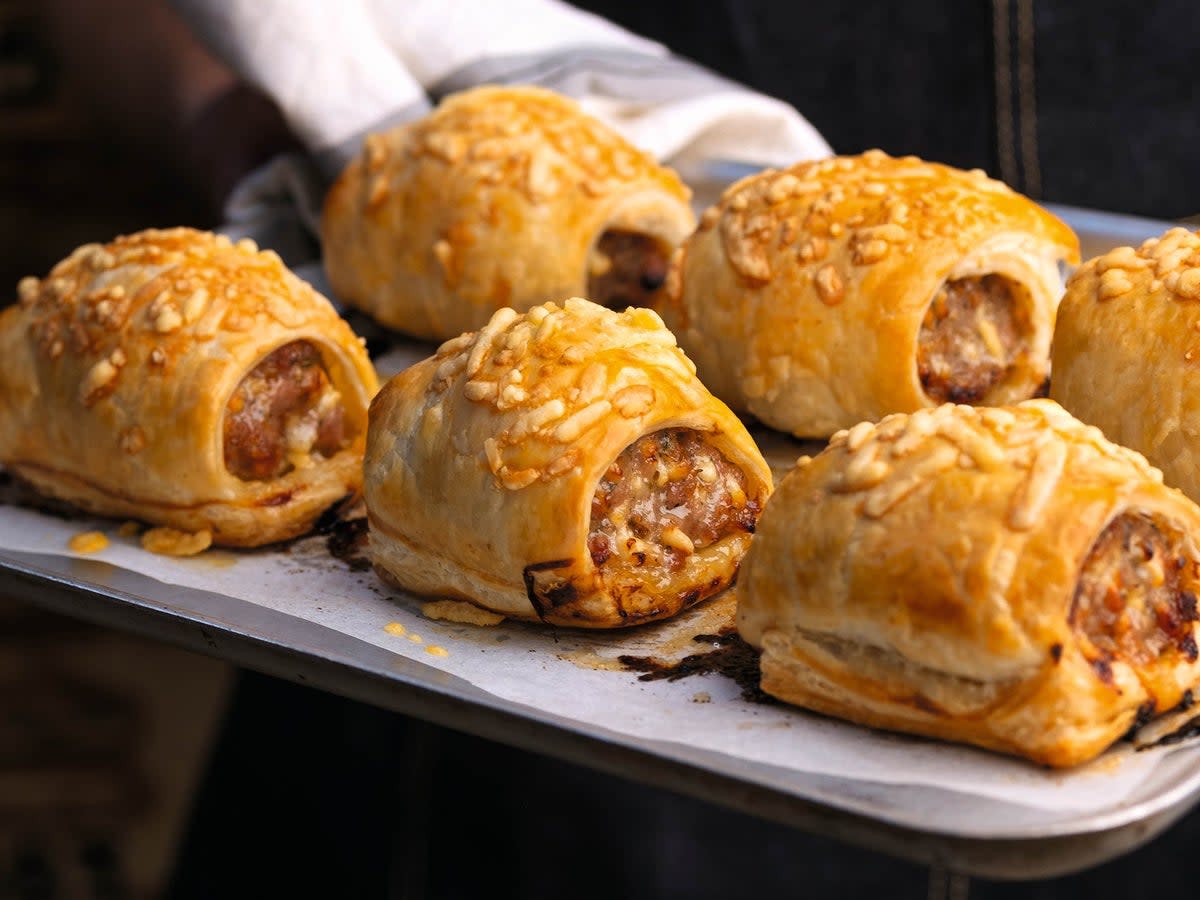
<point x="1004" y="577"/>
<point x="180" y="379"/>
<point x="562" y="465"/>
<point x="845" y="289"/>
<point x="1127" y="345"/>
<point x="502" y="196"/>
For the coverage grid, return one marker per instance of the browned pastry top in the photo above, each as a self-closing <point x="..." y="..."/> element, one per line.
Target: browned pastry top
<point x="527" y="136"/>
<point x="882" y="203"/>
<point x="79" y="311"/>
<point x="517" y="368"/>
<point x="1170" y="263"/>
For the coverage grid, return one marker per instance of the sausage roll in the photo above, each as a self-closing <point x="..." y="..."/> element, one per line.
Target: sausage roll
<point x="1004" y="577"/>
<point x="177" y="378"/>
<point x="1126" y="345"/>
<point x="848" y="288"/>
<point x="503" y="196"/>
<point x="564" y="465"/>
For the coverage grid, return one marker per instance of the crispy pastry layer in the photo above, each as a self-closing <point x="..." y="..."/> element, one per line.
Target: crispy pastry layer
<point x="1004" y="577"/>
<point x="500" y="197"/>
<point x="155" y="377"/>
<point x="807" y="296"/>
<point x="1127" y="348"/>
<point x="564" y="465"/>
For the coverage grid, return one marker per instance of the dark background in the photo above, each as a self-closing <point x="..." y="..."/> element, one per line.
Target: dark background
<point x="1111" y="84"/>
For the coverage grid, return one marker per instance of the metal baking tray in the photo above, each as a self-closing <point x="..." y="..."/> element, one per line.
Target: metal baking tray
<point x="946" y="828"/>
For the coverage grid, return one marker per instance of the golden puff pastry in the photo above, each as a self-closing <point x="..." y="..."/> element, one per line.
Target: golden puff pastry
<point x="848" y="288"/>
<point x="564" y="465"/>
<point x="1127" y="350"/>
<point x="503" y="196"/>
<point x="1001" y="576"/>
<point x="180" y="379"/>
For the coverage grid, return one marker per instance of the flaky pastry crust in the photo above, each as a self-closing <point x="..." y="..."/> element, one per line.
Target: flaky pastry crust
<point x="802" y="293"/>
<point x="482" y="463"/>
<point x="1127" y="344"/>
<point x="495" y="199"/>
<point x="118" y="367"/>
<point x="923" y="575"/>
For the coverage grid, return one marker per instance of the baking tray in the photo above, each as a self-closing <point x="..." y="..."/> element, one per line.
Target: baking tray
<point x="953" y="829"/>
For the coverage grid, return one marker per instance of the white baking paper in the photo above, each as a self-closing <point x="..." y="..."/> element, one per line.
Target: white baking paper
<point x="573" y="674"/>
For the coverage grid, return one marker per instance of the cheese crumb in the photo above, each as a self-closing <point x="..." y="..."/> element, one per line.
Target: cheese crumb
<point x="88" y="542"/>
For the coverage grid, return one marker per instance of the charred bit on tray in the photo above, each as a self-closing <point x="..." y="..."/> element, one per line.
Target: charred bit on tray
<point x="346" y="539"/>
<point x="731" y="657"/>
<point x="334" y="513"/>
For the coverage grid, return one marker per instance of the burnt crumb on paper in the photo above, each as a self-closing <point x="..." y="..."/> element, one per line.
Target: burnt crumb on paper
<point x="731" y="656"/>
<point x="346" y="539"/>
<point x="347" y="507"/>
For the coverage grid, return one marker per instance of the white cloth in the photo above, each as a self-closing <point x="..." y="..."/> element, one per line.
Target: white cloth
<point x="339" y="70"/>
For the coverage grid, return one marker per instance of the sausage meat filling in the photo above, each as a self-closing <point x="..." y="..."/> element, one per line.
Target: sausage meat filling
<point x="1136" y="593"/>
<point x="667" y="495"/>
<point x="972" y="333"/>
<point x="282" y="412"/>
<point x="626" y="269"/>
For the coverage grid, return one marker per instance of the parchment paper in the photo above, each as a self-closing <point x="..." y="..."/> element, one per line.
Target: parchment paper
<point x="575" y="674"/>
